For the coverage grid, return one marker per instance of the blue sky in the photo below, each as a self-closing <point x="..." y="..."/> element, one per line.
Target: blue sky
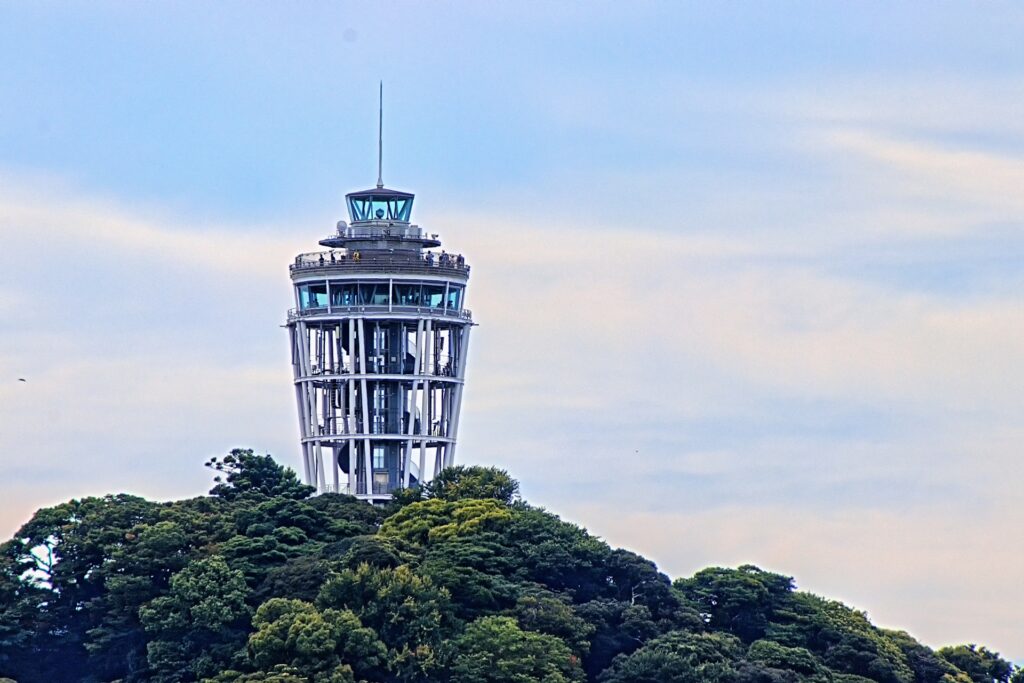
<point x="747" y="276"/>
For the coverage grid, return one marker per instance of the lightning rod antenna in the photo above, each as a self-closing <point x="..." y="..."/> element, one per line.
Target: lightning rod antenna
<point x="380" y="139"/>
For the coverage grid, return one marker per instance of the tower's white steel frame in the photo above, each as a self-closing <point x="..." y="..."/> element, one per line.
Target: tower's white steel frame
<point x="379" y="338"/>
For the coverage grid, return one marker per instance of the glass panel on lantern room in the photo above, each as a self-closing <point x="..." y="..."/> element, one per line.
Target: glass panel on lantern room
<point x="399" y="209"/>
<point x="433" y="296"/>
<point x="407" y="294"/>
<point x="454" y="298"/>
<point x="313" y="296"/>
<point x="343" y="294"/>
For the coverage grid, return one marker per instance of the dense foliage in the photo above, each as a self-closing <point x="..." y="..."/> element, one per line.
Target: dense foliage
<point x="459" y="582"/>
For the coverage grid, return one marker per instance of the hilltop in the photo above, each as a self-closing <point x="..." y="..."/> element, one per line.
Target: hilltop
<point x="460" y="581"/>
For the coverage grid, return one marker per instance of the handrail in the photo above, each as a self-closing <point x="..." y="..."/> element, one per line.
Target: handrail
<point x="296" y="313"/>
<point x="375" y="229"/>
<point x="453" y="263"/>
<point x="438" y="368"/>
<point x="379" y="488"/>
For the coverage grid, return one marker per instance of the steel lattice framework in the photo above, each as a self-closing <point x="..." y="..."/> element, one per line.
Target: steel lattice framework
<point x="379" y="336"/>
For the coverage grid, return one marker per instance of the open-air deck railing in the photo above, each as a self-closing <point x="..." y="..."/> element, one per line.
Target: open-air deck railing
<point x="418" y="263"/>
<point x="378" y="487"/>
<point x="377" y="229"/>
<point x="296" y="313"/>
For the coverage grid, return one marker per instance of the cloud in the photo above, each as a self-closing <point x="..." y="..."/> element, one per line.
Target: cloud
<point x="947" y="577"/>
<point x="136" y="369"/>
<point x="700" y="377"/>
<point x="706" y="386"/>
<point x="619" y="304"/>
<point x="45" y="218"/>
<point x="726" y="283"/>
<point x="92" y="425"/>
<point x="987" y="182"/>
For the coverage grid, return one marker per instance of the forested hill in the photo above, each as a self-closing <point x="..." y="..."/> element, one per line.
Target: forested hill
<point x="459" y="582"/>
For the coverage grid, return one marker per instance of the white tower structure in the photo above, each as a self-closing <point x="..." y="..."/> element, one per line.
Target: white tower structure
<point x="379" y="336"/>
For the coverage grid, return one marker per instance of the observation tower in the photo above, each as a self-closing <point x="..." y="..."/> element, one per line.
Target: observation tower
<point x="379" y="336"/>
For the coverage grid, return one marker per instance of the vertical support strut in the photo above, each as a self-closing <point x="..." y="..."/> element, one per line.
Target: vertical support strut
<point x="336" y="468"/>
<point x="308" y="401"/>
<point x="320" y="466"/>
<point x="368" y="469"/>
<point x="410" y="426"/>
<point x="428" y="364"/>
<point x="351" y="424"/>
<point x="306" y="464"/>
<point x="453" y="427"/>
<point x="299" y="399"/>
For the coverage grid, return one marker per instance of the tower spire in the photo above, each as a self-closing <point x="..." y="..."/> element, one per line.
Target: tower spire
<point x="380" y="138"/>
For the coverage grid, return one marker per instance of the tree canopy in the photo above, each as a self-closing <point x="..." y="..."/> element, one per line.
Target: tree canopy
<point x="457" y="582"/>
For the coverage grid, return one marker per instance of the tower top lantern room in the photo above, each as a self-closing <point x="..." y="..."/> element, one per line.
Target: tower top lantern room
<point x="379" y="204"/>
<point x="379" y="337"/>
<point x="379" y="220"/>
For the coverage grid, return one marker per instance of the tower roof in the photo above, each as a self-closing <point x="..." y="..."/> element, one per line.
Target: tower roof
<point x="381" y="193"/>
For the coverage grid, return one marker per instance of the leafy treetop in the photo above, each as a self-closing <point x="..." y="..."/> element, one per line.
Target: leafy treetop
<point x="457" y="582"/>
<point x="248" y="474"/>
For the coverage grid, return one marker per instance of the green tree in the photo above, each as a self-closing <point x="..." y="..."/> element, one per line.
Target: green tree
<point x="544" y="612"/>
<point x="463" y="482"/>
<point x="255" y="556"/>
<point x="561" y="556"/>
<point x="347" y="516"/>
<point x="118" y="588"/>
<point x="20" y="606"/>
<point x="980" y="663"/>
<point x="411" y="615"/>
<point x="138" y="570"/>
<point x="247" y="474"/>
<point x="620" y="628"/>
<point x="678" y="657"/>
<point x="59" y="565"/>
<point x="196" y="628"/>
<point x="300" y="578"/>
<point x="636" y="580"/>
<point x="842" y="637"/>
<point x="495" y="650"/>
<point x="281" y="673"/>
<point x="476" y="571"/>
<point x="438" y="520"/>
<point x="321" y="645"/>
<point x="740" y="601"/>
<point x="768" y="661"/>
<point x="371" y="550"/>
<point x="928" y="666"/>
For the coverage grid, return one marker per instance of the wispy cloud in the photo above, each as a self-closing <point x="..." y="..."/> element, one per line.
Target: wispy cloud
<point x="985" y="181"/>
<point x="759" y="284"/>
<point x="932" y="569"/>
<point x="38" y="216"/>
<point x="766" y="378"/>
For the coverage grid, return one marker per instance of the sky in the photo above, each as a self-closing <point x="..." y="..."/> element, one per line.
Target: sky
<point x="747" y="275"/>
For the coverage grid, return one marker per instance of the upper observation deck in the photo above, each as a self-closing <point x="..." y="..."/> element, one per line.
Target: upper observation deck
<point x="352" y="262"/>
